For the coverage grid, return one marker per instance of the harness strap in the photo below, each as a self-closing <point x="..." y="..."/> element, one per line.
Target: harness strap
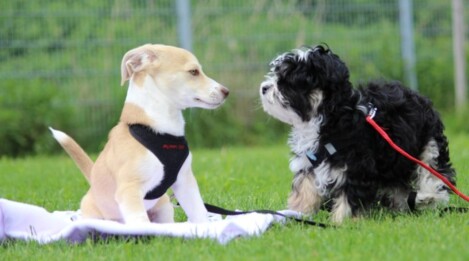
<point x="226" y="212"/>
<point x="317" y="158"/>
<point x="170" y="150"/>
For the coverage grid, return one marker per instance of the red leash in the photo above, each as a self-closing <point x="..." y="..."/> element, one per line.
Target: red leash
<point x="383" y="133"/>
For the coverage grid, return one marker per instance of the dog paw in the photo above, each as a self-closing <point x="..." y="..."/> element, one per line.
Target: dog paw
<point x="304" y="196"/>
<point x="137" y="219"/>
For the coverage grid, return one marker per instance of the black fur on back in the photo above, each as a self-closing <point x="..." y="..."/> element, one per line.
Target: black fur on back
<point x="408" y="119"/>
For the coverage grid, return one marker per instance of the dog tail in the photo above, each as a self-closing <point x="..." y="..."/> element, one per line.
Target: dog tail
<point x="82" y="160"/>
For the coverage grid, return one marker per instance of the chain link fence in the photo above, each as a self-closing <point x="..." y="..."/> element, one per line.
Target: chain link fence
<point x="73" y="49"/>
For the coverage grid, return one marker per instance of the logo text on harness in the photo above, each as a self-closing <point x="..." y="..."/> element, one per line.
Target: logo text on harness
<point x="174" y="146"/>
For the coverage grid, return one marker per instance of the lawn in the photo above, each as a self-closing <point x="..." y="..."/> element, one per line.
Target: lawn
<point x="243" y="178"/>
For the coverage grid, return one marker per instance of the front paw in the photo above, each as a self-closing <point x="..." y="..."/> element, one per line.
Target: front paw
<point x="199" y="219"/>
<point x="135" y="219"/>
<point x="304" y="196"/>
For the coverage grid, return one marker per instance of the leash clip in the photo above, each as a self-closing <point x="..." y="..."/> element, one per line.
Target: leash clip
<point x="371" y="110"/>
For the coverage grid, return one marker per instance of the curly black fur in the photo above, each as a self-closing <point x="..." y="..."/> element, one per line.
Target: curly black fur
<point x="372" y="166"/>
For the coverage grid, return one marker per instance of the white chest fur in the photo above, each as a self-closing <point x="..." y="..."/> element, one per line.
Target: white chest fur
<point x="304" y="138"/>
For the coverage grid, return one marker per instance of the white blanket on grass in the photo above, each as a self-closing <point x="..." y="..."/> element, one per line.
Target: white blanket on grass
<point x="22" y="221"/>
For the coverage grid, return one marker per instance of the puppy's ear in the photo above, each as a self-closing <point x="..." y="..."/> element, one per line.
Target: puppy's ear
<point x="136" y="60"/>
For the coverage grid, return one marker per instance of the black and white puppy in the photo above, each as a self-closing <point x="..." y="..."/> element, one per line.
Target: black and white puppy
<point x="339" y="161"/>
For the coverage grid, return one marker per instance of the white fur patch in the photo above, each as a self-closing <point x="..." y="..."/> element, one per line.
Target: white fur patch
<point x="430" y="190"/>
<point x="326" y="176"/>
<point x="152" y="171"/>
<point x="316" y="99"/>
<point x="60" y="136"/>
<point x="305" y="137"/>
<point x="303" y="53"/>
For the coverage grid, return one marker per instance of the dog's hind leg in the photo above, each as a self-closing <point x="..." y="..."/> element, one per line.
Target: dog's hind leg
<point x="304" y="196"/>
<point x="431" y="191"/>
<point x="89" y="209"/>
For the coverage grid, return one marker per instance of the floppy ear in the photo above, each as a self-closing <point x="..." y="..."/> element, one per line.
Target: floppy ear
<point x="136" y="60"/>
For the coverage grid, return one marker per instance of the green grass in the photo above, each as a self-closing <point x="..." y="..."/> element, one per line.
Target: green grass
<point x="244" y="178"/>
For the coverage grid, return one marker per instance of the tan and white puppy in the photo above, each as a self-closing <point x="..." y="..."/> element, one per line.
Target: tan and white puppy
<point x="163" y="81"/>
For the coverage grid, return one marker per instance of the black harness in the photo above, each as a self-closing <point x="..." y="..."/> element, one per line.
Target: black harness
<point x="172" y="151"/>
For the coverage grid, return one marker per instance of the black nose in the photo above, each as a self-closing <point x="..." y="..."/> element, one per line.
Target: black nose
<point x="265" y="88"/>
<point x="225" y="91"/>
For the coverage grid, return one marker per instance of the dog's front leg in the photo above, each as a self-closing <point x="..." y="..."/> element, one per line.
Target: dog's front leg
<point x="304" y="196"/>
<point x="188" y="195"/>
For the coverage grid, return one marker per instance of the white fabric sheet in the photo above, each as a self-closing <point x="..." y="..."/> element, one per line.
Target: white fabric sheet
<point x="22" y="221"/>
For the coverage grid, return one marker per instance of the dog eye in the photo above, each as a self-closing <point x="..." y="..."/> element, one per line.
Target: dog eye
<point x="194" y="72"/>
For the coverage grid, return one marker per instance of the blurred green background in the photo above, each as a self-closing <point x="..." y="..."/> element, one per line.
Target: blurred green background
<point x="60" y="61"/>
